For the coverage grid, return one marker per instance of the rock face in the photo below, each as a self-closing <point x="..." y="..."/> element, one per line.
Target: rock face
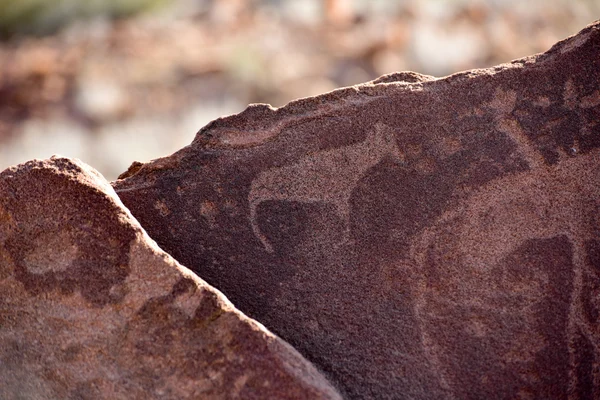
<point x="91" y="308"/>
<point x="413" y="237"/>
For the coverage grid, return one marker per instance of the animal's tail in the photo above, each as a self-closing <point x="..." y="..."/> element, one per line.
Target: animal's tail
<point x="255" y="228"/>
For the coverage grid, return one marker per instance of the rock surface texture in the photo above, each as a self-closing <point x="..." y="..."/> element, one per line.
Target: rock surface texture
<point x="413" y="237"/>
<point x="91" y="308"/>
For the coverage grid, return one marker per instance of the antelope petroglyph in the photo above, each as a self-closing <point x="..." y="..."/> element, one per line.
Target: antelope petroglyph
<point x="328" y="176"/>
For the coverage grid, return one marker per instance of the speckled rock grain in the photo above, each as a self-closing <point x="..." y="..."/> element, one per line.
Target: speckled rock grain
<point x="91" y="308"/>
<point x="414" y="237"/>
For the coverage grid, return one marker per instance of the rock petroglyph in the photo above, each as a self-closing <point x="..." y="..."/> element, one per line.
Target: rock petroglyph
<point x="328" y="176"/>
<point x="506" y="217"/>
<point x="413" y="237"/>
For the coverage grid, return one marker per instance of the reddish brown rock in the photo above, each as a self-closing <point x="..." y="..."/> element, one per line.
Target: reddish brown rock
<point x="92" y="308"/>
<point x="414" y="237"/>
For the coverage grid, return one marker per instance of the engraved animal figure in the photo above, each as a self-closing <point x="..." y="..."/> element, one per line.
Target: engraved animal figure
<point x="501" y="217"/>
<point x="328" y="176"/>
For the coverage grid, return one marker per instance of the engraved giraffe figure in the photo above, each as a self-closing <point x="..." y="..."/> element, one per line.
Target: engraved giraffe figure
<point x="328" y="176"/>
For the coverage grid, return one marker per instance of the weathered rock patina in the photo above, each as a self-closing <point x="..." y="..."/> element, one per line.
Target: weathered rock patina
<point x="91" y="308"/>
<point x="414" y="237"/>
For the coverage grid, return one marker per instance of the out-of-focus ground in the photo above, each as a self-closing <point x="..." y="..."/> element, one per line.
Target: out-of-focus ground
<point x="110" y="91"/>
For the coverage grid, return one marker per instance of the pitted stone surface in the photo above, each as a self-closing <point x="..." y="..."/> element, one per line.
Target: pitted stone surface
<point x="414" y="237"/>
<point x="92" y="308"/>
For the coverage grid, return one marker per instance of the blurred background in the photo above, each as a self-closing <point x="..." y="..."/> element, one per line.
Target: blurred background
<point x="113" y="81"/>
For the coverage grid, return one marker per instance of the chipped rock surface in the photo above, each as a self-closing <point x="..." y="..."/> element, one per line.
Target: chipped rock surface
<point x="413" y="237"/>
<point x="92" y="308"/>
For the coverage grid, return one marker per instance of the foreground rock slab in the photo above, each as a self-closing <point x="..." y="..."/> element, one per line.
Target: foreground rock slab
<point x="92" y="308"/>
<point x="414" y="237"/>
